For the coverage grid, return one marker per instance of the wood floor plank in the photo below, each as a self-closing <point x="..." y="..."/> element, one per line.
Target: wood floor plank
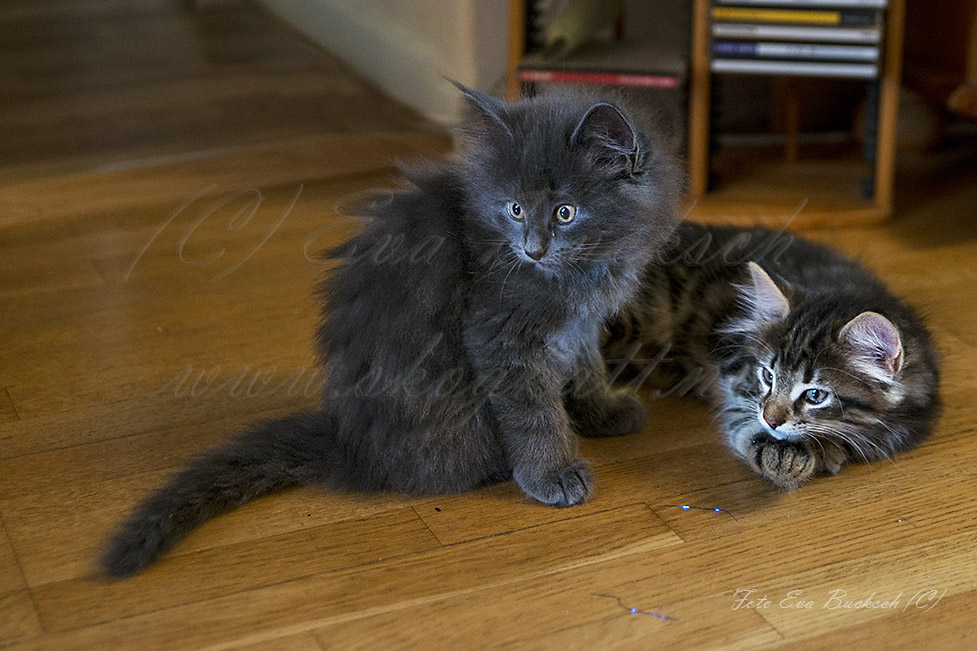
<point x="926" y="624"/>
<point x="298" y="642"/>
<point x="718" y="565"/>
<point x="568" y="610"/>
<point x="309" y="603"/>
<point x="868" y="588"/>
<point x="188" y="578"/>
<point x="903" y="494"/>
<point x="13" y="579"/>
<point x="167" y="80"/>
<point x="8" y="410"/>
<point x="699" y="624"/>
<point x="558" y="616"/>
<point x="650" y="479"/>
<point x="161" y="352"/>
<point x="152" y="406"/>
<point x="18" y="618"/>
<point x="664" y="482"/>
<point x="86" y="511"/>
<point x="711" y="615"/>
<point x="204" y="216"/>
<point x="30" y="274"/>
<point x="159" y="182"/>
<point x="92" y="465"/>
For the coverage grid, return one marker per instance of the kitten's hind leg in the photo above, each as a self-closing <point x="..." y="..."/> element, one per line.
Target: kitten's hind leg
<point x="834" y="458"/>
<point x="612" y="413"/>
<point x="597" y="409"/>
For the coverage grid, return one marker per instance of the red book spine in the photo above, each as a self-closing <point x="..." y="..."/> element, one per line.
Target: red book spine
<point x="606" y="78"/>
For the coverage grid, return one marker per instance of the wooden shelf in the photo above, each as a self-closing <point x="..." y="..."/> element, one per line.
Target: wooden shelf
<point x="646" y="51"/>
<point x="630" y="63"/>
<point x="802" y="195"/>
<point x="768" y="191"/>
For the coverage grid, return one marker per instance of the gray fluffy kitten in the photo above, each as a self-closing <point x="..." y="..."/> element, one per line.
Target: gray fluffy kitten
<point x="811" y="361"/>
<point x="463" y="363"/>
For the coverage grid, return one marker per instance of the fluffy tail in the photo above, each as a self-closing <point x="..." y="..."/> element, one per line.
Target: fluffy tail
<point x="268" y="457"/>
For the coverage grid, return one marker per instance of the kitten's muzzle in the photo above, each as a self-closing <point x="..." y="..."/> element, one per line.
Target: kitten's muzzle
<point x="774" y="419"/>
<point x="537" y="254"/>
<point x="536" y="242"/>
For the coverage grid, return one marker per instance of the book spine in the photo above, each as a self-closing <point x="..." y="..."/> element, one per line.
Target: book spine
<point x="602" y="78"/>
<point x="798" y="68"/>
<point x="765" y="50"/>
<point x="814" y="4"/>
<point x="797" y="16"/>
<point x="749" y="31"/>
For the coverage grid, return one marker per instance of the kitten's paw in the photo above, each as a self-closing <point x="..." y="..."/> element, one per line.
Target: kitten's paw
<point x="567" y="487"/>
<point x="787" y="464"/>
<point x="834" y="459"/>
<point x="613" y="414"/>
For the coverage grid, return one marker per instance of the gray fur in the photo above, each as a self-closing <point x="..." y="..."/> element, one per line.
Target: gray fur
<point x="461" y="343"/>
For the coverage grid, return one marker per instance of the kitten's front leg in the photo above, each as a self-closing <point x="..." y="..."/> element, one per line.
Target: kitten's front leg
<point x="596" y="408"/>
<point x="787" y="464"/>
<point x="834" y="458"/>
<point x="539" y="441"/>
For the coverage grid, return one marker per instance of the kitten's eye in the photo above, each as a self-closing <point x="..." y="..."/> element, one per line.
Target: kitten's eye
<point x="766" y="375"/>
<point x="815" y="396"/>
<point x="514" y="210"/>
<point x="565" y="213"/>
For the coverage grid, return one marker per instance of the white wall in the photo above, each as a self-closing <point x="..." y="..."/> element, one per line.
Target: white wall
<point x="408" y="47"/>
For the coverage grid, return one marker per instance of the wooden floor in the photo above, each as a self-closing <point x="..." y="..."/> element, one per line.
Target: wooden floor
<point x="144" y="317"/>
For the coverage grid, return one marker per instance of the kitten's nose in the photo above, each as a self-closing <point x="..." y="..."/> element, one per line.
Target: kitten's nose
<point x="536" y="241"/>
<point x="773" y="421"/>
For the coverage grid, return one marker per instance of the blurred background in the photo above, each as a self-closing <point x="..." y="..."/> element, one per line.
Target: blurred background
<point x="770" y="105"/>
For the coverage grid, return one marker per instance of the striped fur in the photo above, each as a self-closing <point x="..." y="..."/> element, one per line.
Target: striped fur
<point x="809" y="359"/>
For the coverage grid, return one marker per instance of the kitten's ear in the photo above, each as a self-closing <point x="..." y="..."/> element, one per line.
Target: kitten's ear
<point x="606" y="133"/>
<point x="767" y="303"/>
<point x="489" y="109"/>
<point x="876" y="344"/>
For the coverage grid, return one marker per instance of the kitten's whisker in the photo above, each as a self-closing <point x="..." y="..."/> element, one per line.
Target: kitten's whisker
<point x="854" y="445"/>
<point x="815" y="439"/>
<point x="506" y="279"/>
<point x="841" y="406"/>
<point x="856" y="440"/>
<point x="898" y="435"/>
<point x="500" y="263"/>
<point x="885" y="454"/>
<point x="882" y="452"/>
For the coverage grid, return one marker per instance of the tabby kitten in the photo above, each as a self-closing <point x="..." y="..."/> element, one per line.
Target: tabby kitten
<point x="812" y="362"/>
<point x="459" y="362"/>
